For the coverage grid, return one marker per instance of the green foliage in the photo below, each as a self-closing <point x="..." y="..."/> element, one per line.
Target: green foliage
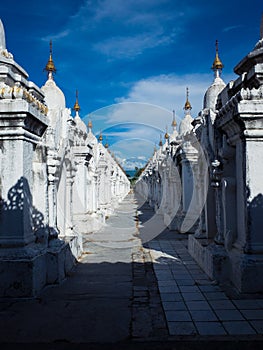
<point x="136" y="175"/>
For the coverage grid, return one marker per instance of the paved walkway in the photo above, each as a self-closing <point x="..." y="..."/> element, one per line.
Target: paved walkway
<point x="111" y="296"/>
<point x="193" y="303"/>
<point x="123" y="291"/>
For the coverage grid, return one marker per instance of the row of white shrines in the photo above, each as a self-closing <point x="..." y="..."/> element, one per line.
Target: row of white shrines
<point x="208" y="179"/>
<point x="57" y="181"/>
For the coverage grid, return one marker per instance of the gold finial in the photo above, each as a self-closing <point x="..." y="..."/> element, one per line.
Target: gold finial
<point x="166" y="135"/>
<point x="160" y="142"/>
<point x="217" y="64"/>
<point x="174" y="121"/>
<point x="106" y="145"/>
<point x="76" y="105"/>
<point x="90" y="124"/>
<point x="100" y="137"/>
<point x="50" y="66"/>
<point x="187" y="104"/>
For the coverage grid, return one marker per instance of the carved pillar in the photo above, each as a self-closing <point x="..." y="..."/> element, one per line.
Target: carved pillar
<point x="52" y="193"/>
<point x="69" y="207"/>
<point x="187" y="159"/>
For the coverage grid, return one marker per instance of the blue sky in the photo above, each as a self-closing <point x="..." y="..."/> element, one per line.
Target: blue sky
<point x="138" y="54"/>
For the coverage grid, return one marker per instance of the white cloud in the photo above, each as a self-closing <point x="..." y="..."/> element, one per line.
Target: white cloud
<point x="133" y="148"/>
<point x="147" y="25"/>
<point x="143" y="133"/>
<point x="167" y="92"/>
<point x="132" y="164"/>
<point x="132" y="46"/>
<point x="132" y="152"/>
<point x="227" y="29"/>
<point x="130" y="10"/>
<point x="152" y="116"/>
<point x="143" y="25"/>
<point x="148" y="114"/>
<point x="151" y="102"/>
<point x="59" y="35"/>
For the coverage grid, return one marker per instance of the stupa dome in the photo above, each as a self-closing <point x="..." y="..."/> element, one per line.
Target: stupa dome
<point x="212" y="93"/>
<point x="54" y="97"/>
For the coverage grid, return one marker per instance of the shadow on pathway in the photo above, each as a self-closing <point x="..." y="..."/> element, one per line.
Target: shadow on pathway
<point x="114" y="300"/>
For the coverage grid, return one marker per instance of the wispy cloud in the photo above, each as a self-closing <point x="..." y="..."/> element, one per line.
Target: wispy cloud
<point x="227" y="29"/>
<point x="134" y="112"/>
<point x="128" y="131"/>
<point x="149" y="27"/>
<point x="124" y="30"/>
<point x="132" y="46"/>
<point x="129" y="10"/>
<point x="57" y="36"/>
<point x="134" y="153"/>
<point x="169" y="91"/>
<point x="151" y="102"/>
<point x="131" y="164"/>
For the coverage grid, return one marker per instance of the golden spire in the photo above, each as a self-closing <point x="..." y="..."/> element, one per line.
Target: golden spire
<point x="100" y="137"/>
<point x="166" y="135"/>
<point x="217" y="64"/>
<point x="106" y="145"/>
<point x="187" y="105"/>
<point x="90" y="124"/>
<point x="174" y="121"/>
<point x="50" y="66"/>
<point x="76" y="105"/>
<point x="160" y="142"/>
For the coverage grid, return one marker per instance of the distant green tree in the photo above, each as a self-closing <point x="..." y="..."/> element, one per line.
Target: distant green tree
<point x="135" y="177"/>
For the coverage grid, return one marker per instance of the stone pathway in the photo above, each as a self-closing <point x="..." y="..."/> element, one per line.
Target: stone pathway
<point x="110" y="297"/>
<point x="193" y="303"/>
<point x="119" y="242"/>
<point x="134" y="295"/>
